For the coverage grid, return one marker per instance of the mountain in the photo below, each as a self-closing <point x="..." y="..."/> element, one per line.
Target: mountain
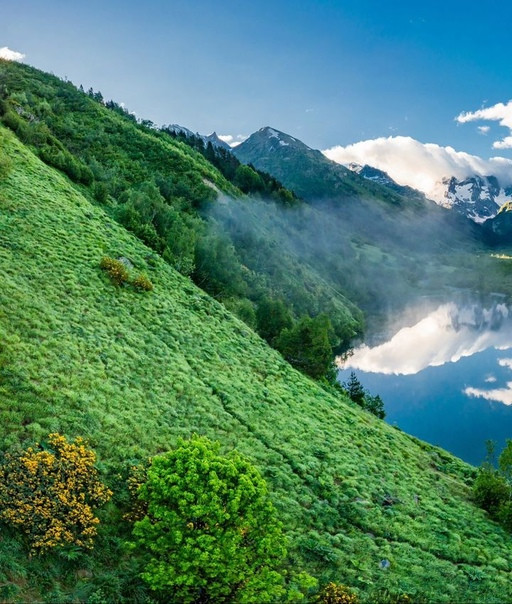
<point x="305" y="170"/>
<point x="476" y="197"/>
<point x="473" y="187"/>
<point x="216" y="141"/>
<point x="382" y="178"/>
<point x="498" y="229"/>
<point x="375" y="218"/>
<point x="361" y="502"/>
<point x="210" y="138"/>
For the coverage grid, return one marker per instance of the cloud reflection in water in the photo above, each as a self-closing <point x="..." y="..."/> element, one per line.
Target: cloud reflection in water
<point x="445" y="335"/>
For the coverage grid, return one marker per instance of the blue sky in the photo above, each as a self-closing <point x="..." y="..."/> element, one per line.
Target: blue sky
<point x="328" y="72"/>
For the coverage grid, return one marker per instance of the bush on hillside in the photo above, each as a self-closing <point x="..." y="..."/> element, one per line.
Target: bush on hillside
<point x="115" y="269"/>
<point x="335" y="593"/>
<point x="355" y="391"/>
<point x="142" y="283"/>
<point x="50" y="492"/>
<point x="492" y="489"/>
<point x="210" y="532"/>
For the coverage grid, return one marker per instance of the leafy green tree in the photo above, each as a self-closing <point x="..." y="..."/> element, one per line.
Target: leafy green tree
<point x="307" y="346"/>
<point x="210" y="533"/>
<point x="375" y="405"/>
<point x="505" y="461"/>
<point x="247" y="179"/>
<point x="354" y="389"/>
<point x="272" y="316"/>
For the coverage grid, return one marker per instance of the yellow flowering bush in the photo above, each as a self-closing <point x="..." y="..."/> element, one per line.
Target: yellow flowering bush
<point x="115" y="269"/>
<point x="142" y="283"/>
<point x="50" y="493"/>
<point x="334" y="593"/>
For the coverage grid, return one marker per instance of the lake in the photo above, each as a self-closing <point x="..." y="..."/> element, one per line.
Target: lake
<point x="445" y="374"/>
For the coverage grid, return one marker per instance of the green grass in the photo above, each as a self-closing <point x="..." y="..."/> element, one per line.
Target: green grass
<point x="134" y="371"/>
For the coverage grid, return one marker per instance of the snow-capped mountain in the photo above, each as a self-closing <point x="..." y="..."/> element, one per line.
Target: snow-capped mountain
<point x="471" y="185"/>
<point x="477" y="197"/>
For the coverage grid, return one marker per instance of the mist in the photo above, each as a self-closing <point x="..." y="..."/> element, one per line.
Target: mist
<point x="381" y="257"/>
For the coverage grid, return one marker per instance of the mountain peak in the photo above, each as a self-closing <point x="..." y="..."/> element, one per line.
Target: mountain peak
<point x="269" y="140"/>
<point x="214" y="139"/>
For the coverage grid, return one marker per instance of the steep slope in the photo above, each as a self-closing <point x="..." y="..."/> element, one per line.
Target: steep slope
<point x="162" y="190"/>
<point x="132" y="372"/>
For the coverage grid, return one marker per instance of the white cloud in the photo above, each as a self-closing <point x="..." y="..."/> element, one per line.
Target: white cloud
<point x="445" y="335"/>
<point x="483" y="129"/>
<point x="501" y="112"/>
<point x="501" y="395"/>
<point x="10" y="55"/>
<point x="232" y="141"/>
<point x="505" y="363"/>
<point x="420" y="165"/>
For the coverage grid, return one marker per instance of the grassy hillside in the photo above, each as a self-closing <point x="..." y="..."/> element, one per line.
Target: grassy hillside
<point x="162" y="190"/>
<point x="133" y="371"/>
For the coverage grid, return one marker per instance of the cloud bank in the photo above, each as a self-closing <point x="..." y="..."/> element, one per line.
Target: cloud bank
<point x="10" y="55"/>
<point x="501" y="112"/>
<point x="419" y="165"/>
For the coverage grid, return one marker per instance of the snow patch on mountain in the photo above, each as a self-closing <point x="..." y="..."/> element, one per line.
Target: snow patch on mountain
<point x="451" y="178"/>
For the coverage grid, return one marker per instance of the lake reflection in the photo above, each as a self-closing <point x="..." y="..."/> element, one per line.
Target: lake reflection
<point x="446" y="377"/>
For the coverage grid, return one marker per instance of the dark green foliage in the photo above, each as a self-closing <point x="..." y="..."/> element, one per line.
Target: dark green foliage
<point x="243" y="309"/>
<point x="492" y="489"/>
<point x="375" y="405"/>
<point x="246" y="179"/>
<point x="307" y="346"/>
<point x="218" y="270"/>
<point x="355" y="391"/>
<point x="272" y="316"/>
<point x="210" y="532"/>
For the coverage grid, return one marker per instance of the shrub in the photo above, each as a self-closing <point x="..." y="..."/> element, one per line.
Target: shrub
<point x="334" y="593"/>
<point x="115" y="269"/>
<point x="210" y="533"/>
<point x="5" y="166"/>
<point x="49" y="493"/>
<point x="142" y="283"/>
<point x="490" y="490"/>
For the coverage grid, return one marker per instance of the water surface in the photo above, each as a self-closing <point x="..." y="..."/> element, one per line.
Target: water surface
<point x="445" y="377"/>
